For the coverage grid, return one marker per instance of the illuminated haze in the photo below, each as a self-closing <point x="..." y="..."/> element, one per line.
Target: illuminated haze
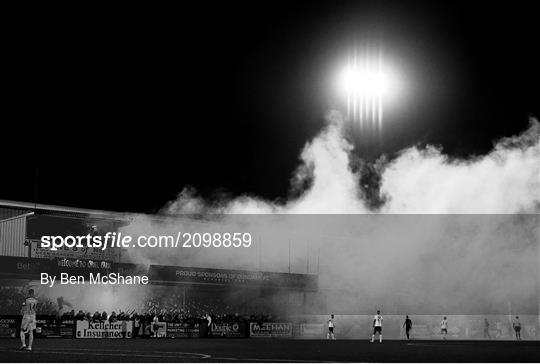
<point x="404" y="261"/>
<point x="432" y="263"/>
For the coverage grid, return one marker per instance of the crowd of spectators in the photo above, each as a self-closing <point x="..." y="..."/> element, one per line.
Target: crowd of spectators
<point x="11" y="299"/>
<point x="191" y="313"/>
<point x="169" y="306"/>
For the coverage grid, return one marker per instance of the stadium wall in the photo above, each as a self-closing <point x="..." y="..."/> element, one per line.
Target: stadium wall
<point x="12" y="237"/>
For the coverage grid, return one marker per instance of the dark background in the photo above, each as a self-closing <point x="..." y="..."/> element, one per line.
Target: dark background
<point x="121" y="108"/>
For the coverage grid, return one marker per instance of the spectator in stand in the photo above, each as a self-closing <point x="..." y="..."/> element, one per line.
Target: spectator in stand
<point x="155" y="324"/>
<point x="113" y="317"/>
<point x="68" y="315"/>
<point x="136" y="326"/>
<point x="96" y="316"/>
<point x="80" y="316"/>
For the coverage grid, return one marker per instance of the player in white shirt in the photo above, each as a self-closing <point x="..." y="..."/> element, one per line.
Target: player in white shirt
<point x="331" y="326"/>
<point x="377" y="326"/>
<point x="444" y="327"/>
<point x="28" y="323"/>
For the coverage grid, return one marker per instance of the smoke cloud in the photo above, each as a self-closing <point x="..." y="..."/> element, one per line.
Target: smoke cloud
<point x="505" y="181"/>
<point x="424" y="181"/>
<point x="404" y="260"/>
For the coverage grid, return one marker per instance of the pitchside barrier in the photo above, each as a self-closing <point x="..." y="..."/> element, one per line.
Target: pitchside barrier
<point x="9" y="325"/>
<point x="270" y="329"/>
<point x="357" y="327"/>
<point x="104" y="330"/>
<point x="46" y="326"/>
<point x="176" y="330"/>
<point x="427" y="327"/>
<point x="227" y="329"/>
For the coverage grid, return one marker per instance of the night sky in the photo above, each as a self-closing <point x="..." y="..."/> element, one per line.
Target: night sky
<point x="121" y="108"/>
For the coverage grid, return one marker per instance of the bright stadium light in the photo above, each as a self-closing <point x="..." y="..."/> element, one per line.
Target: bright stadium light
<point x="365" y="82"/>
<point x="369" y="83"/>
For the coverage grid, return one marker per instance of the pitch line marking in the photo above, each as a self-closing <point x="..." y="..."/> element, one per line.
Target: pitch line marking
<point x="122" y="353"/>
<point x="273" y="360"/>
<point x="179" y="355"/>
<point x="133" y="351"/>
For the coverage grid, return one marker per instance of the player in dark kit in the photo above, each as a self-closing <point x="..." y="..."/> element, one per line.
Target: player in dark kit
<point x="486" y="329"/>
<point x="517" y="328"/>
<point x="407" y="325"/>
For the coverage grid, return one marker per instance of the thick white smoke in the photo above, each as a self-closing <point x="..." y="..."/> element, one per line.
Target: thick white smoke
<point x="399" y="260"/>
<point x="505" y="181"/>
<point x="325" y="166"/>
<point x="425" y="181"/>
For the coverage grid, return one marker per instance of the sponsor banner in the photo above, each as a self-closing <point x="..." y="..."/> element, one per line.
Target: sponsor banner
<point x="104" y="330"/>
<point x="83" y="264"/>
<point x="228" y="329"/>
<point x="46" y="326"/>
<point x="9" y="325"/>
<point x="179" y="330"/>
<point x="158" y="328"/>
<point x="270" y="329"/>
<point x="36" y="251"/>
<point x="31" y="268"/>
<point x="21" y="267"/>
<point x="53" y="327"/>
<point x="232" y="277"/>
<point x="128" y="269"/>
<point x="312" y="330"/>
